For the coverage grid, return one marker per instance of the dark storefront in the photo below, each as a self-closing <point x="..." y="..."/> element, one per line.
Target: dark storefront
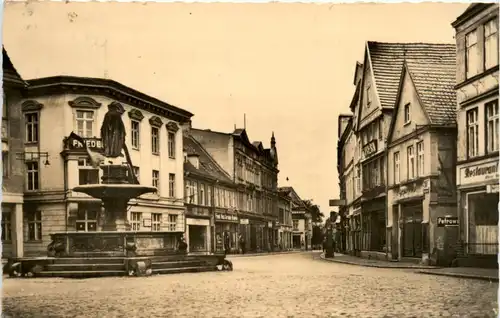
<point x="373" y="225"/>
<point x="412" y="229"/>
<point x="226" y="231"/>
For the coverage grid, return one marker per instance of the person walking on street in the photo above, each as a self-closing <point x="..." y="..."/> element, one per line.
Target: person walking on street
<point x="242" y="244"/>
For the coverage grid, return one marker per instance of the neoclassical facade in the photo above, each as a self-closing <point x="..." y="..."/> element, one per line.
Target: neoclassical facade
<point x="56" y="106"/>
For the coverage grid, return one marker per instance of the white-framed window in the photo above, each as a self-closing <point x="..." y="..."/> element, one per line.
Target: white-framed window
<point x="85" y="123"/>
<point x="472" y="132"/>
<point x="397" y="168"/>
<point x="156" y="179"/>
<point x="492" y="125"/>
<point x="86" y="219"/>
<point x="411" y="162"/>
<point x="171" y="145"/>
<point x="420" y="159"/>
<point x="295" y="225"/>
<point x="471" y="54"/>
<point x="32" y="176"/>
<point x="155" y="140"/>
<point x="32" y="127"/>
<point x="34" y="225"/>
<point x="407" y="113"/>
<point x="135" y="134"/>
<point x="86" y="173"/>
<point x="5" y="164"/>
<point x="209" y="195"/>
<point x="172" y="222"/>
<point x="368" y="96"/>
<point x="6" y="227"/>
<point x="202" y="194"/>
<point x="155" y="222"/>
<point x="491" y="44"/>
<point x="171" y="185"/>
<point x="135" y="220"/>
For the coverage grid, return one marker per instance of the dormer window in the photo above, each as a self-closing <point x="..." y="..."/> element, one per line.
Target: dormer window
<point x="407" y="114"/>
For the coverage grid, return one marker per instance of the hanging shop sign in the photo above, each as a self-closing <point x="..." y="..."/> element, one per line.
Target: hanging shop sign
<point x="479" y="173"/>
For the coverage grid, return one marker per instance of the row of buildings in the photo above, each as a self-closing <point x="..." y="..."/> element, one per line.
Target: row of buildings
<point x="418" y="154"/>
<point x="213" y="186"/>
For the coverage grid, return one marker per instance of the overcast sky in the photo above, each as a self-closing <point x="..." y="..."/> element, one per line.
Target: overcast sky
<point x="288" y="67"/>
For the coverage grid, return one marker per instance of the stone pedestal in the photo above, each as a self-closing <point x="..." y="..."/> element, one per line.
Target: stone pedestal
<point x="116" y="215"/>
<point x="114" y="174"/>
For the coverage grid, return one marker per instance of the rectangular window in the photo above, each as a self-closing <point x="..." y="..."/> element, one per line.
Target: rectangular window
<point x="171" y="185"/>
<point x="411" y="162"/>
<point x="5" y="164"/>
<point x="171" y="145"/>
<point x="155" y="140"/>
<point x="397" y="168"/>
<point x="472" y="132"/>
<point x="209" y="196"/>
<point x="492" y="125"/>
<point x="471" y="54"/>
<point x="86" y="220"/>
<point x="155" y="222"/>
<point x="31" y="127"/>
<point x="6" y="227"/>
<point x="86" y="173"/>
<point x="172" y="222"/>
<point x="368" y="97"/>
<point x="295" y="225"/>
<point x="135" y="133"/>
<point x="32" y="176"/>
<point x="156" y="179"/>
<point x="5" y="118"/>
<point x="34" y="225"/>
<point x="202" y="194"/>
<point x="195" y="192"/>
<point x="85" y="123"/>
<point x="491" y="44"/>
<point x="407" y="114"/>
<point x="420" y="159"/>
<point x="358" y="179"/>
<point x="135" y="220"/>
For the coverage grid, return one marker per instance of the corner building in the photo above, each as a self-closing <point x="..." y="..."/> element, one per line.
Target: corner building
<point x="478" y="133"/>
<point x="54" y="164"/>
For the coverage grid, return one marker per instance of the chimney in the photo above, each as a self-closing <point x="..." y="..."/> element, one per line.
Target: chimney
<point x="194" y="159"/>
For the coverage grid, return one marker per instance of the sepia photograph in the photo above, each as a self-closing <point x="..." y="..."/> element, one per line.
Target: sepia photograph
<point x="250" y="159"/>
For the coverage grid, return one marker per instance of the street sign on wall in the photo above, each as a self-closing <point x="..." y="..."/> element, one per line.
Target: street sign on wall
<point x="447" y="221"/>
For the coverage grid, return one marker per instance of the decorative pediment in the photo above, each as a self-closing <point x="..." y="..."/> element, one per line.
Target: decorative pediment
<point x="84" y="102"/>
<point x="155" y="121"/>
<point x="172" y="127"/>
<point x="135" y="114"/>
<point x="31" y="105"/>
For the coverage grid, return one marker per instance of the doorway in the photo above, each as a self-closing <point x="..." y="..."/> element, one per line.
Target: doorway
<point x="197" y="238"/>
<point x="412" y="230"/>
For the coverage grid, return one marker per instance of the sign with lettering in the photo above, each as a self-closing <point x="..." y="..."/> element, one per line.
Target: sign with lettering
<point x="370" y="148"/>
<point x="244" y="221"/>
<point x="226" y="217"/>
<point x="447" y="221"/>
<point x="91" y="143"/>
<point x="409" y="191"/>
<point x="479" y="173"/>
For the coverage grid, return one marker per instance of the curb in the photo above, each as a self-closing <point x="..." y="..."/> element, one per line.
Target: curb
<point x="262" y="254"/>
<point x="457" y="275"/>
<point x="322" y="256"/>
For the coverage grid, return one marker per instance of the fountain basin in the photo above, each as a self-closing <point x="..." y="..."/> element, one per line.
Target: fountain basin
<point x="114" y="191"/>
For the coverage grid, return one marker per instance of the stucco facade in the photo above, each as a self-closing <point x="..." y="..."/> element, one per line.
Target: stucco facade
<point x="477" y="142"/>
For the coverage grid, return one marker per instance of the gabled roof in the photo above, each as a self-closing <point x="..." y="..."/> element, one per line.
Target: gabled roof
<point x="387" y="63"/>
<point x="472" y="10"/>
<point x="295" y="197"/>
<point x="208" y="167"/>
<point x="10" y="74"/>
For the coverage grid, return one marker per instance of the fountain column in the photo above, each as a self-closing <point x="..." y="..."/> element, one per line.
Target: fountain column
<point x="116" y="206"/>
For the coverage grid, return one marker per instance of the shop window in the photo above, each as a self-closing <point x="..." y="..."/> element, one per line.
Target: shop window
<point x="482" y="209"/>
<point x="472" y="132"/>
<point x="34" y="225"/>
<point x="492" y="126"/>
<point x="32" y="175"/>
<point x="172" y="222"/>
<point x="155" y="221"/>
<point x="86" y="173"/>
<point x="85" y="123"/>
<point x="6" y="227"/>
<point x="135" y="220"/>
<point x="86" y="220"/>
<point x="491" y="43"/>
<point x="471" y="54"/>
<point x="135" y="133"/>
<point x="32" y="127"/>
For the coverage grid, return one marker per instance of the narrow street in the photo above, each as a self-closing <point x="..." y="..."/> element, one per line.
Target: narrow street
<point x="286" y="285"/>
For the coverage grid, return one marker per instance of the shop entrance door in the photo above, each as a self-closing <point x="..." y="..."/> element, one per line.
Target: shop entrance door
<point x="412" y="231"/>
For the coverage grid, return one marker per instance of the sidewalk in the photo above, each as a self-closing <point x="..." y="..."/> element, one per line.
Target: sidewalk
<point x="263" y="253"/>
<point x="488" y="274"/>
<point x="353" y="260"/>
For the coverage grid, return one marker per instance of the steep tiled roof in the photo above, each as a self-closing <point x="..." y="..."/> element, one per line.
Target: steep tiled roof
<point x="208" y="166"/>
<point x="387" y="63"/>
<point x="434" y="80"/>
<point x="10" y="73"/>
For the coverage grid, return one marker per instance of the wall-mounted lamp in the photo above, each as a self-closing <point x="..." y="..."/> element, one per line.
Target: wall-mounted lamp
<point x="33" y="156"/>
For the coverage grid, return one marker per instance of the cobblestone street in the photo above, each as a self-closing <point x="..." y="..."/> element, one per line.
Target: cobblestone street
<point x="287" y="285"/>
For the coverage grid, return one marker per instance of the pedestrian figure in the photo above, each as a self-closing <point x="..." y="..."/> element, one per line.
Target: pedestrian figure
<point x="227" y="243"/>
<point x="242" y="244"/>
<point x="182" y="246"/>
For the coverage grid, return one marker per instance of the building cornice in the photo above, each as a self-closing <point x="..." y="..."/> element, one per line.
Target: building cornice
<point x="105" y="87"/>
<point x="471" y="11"/>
